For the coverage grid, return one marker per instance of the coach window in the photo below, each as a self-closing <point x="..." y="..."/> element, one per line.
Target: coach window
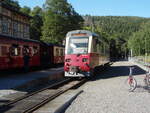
<point x="61" y="52"/>
<point x="0" y="25"/>
<point x="57" y="52"/>
<point x="26" y="50"/>
<point x="15" y="50"/>
<point x="35" y="50"/>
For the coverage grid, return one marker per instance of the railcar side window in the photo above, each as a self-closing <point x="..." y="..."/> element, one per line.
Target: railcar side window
<point x="94" y="49"/>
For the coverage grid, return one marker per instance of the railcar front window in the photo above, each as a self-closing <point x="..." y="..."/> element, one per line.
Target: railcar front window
<point x="78" y="45"/>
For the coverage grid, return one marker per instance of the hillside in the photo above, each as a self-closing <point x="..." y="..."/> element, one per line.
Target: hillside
<point x="116" y="29"/>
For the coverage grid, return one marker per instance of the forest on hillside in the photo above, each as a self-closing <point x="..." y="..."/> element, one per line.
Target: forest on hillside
<point x="51" y="22"/>
<point x="122" y="32"/>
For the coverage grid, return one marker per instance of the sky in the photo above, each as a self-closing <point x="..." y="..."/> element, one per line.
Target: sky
<point x="103" y="7"/>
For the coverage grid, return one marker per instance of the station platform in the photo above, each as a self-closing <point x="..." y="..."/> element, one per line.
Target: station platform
<point x="23" y="83"/>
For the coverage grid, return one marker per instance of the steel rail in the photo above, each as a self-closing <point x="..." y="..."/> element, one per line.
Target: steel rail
<point x="60" y="88"/>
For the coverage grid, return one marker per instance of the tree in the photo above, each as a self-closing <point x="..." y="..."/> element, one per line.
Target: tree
<point x="36" y="23"/>
<point x="118" y="30"/>
<point x="139" y="41"/>
<point x="59" y="18"/>
<point x="26" y="10"/>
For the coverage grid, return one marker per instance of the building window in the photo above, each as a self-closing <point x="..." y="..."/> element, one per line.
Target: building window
<point x="19" y="30"/>
<point x="5" y="11"/>
<point x="0" y="25"/>
<point x="0" y="9"/>
<point x="9" y="27"/>
<point x="26" y="31"/>
<point x="5" y="26"/>
<point x="15" y="29"/>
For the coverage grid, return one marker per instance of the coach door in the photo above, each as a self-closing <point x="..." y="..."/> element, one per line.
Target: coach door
<point x="15" y="56"/>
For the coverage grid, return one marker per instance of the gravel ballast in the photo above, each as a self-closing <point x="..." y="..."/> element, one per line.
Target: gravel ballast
<point x="108" y="93"/>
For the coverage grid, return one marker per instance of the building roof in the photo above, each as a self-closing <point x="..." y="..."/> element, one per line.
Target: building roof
<point x="14" y="9"/>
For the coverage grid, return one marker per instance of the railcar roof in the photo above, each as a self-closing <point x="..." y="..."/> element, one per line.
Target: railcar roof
<point x="51" y="44"/>
<point x="81" y="31"/>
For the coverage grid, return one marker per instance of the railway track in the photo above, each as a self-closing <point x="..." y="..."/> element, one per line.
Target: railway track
<point x="33" y="101"/>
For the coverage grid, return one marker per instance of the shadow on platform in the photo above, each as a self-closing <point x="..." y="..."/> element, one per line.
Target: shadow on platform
<point x="116" y="71"/>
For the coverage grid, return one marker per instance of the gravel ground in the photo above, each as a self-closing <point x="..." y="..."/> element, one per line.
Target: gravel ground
<point x="108" y="93"/>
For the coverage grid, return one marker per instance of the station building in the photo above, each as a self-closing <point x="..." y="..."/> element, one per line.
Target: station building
<point x="13" y="23"/>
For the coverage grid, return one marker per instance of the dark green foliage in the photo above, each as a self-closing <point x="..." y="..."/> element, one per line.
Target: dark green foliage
<point x="59" y="18"/>
<point x="25" y="10"/>
<point x="117" y="30"/>
<point x="36" y="23"/>
<point x="139" y="42"/>
<point x="13" y="3"/>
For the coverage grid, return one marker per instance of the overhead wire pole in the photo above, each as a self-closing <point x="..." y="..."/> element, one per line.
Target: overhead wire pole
<point x="92" y="25"/>
<point x="145" y="55"/>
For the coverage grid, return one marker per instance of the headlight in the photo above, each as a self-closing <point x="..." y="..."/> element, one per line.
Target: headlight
<point x="84" y="60"/>
<point x="67" y="60"/>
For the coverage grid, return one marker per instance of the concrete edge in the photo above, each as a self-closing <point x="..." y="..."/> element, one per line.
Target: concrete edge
<point x="139" y="65"/>
<point x="62" y="108"/>
<point x="54" y="76"/>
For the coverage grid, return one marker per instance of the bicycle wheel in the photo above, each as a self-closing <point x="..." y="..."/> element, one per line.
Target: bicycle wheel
<point x="131" y="83"/>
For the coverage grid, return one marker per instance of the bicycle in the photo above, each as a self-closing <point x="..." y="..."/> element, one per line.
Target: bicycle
<point x="131" y="81"/>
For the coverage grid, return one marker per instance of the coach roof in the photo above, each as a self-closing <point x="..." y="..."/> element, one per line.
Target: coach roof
<point x="69" y="34"/>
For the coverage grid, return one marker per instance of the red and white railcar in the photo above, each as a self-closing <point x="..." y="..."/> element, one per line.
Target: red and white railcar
<point x="83" y="52"/>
